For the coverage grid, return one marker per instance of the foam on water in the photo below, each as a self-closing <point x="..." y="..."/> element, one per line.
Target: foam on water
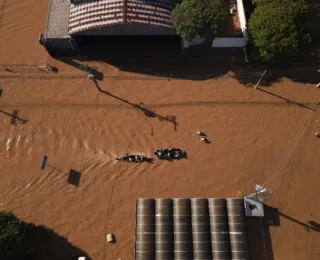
<point x="8" y="143"/>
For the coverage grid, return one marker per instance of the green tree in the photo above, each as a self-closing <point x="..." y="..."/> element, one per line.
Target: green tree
<point x="192" y="17"/>
<point x="278" y="28"/>
<point x="259" y="2"/>
<point x="11" y="232"/>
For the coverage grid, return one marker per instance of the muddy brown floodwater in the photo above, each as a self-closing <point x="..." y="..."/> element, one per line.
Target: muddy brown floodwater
<point x="255" y="138"/>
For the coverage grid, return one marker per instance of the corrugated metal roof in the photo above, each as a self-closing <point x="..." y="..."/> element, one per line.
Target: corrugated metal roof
<point x="188" y="229"/>
<point x="100" y="13"/>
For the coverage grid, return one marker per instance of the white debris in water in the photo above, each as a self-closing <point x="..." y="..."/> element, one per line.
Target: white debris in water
<point x="28" y="185"/>
<point x="18" y="140"/>
<point x="28" y="139"/>
<point x="86" y="145"/>
<point x="199" y="132"/>
<point x="75" y="144"/>
<point x="110" y="238"/>
<point x="9" y="140"/>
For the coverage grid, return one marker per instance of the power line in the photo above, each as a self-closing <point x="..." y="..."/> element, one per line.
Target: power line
<point x="291" y="145"/>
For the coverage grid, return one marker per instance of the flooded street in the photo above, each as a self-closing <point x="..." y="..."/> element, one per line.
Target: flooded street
<point x="255" y="137"/>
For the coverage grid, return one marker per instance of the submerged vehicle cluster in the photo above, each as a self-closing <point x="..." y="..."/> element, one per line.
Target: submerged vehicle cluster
<point x="162" y="154"/>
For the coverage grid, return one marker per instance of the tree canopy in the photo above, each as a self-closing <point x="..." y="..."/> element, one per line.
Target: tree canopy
<point x="278" y="28"/>
<point x="11" y="233"/>
<point x="191" y="17"/>
<point x="257" y="2"/>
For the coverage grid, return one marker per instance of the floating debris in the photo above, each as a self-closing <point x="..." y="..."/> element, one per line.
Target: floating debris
<point x="110" y="238"/>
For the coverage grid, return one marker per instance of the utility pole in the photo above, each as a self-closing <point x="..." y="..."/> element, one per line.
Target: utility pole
<point x="264" y="73"/>
<point x="46" y="66"/>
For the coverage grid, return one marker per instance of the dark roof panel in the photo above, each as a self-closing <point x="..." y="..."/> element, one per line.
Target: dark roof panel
<point x="145" y="229"/>
<point x="238" y="229"/>
<point x="183" y="229"/>
<point x="164" y="248"/>
<point x="183" y="242"/>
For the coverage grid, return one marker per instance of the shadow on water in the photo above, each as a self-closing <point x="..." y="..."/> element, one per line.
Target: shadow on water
<point x="75" y="62"/>
<point x="40" y="243"/>
<point x="14" y="117"/>
<point x="286" y="100"/>
<point x="310" y="226"/>
<point x="161" y="56"/>
<point x="207" y="141"/>
<point x="158" y="56"/>
<point x="74" y="177"/>
<point x="259" y="231"/>
<point x="146" y="112"/>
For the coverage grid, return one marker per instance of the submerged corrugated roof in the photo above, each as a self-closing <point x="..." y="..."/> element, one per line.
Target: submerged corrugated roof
<point x="101" y="13"/>
<point x="188" y="229"/>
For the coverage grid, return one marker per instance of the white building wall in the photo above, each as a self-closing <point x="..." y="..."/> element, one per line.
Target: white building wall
<point x="242" y="17"/>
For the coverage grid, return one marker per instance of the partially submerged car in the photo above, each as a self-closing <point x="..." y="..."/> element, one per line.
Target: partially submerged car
<point x="170" y="154"/>
<point x="134" y="158"/>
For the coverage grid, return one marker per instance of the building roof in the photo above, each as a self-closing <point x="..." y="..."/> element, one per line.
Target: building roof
<point x="87" y="15"/>
<point x="188" y="229"/>
<point x="58" y="19"/>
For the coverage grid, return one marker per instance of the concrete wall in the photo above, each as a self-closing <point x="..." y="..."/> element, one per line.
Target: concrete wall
<point x="58" y="45"/>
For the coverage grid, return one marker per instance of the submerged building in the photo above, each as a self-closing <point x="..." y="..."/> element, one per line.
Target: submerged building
<point x="188" y="229"/>
<point x="68" y="19"/>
